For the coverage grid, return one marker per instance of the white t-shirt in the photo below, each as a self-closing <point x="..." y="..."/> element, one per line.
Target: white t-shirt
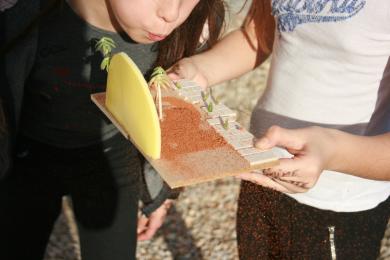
<point x="330" y="60"/>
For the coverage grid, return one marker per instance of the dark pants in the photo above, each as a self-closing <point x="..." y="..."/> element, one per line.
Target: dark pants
<point x="102" y="181"/>
<point x="271" y="225"/>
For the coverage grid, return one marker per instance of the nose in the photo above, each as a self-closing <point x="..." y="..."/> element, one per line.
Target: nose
<point x="169" y="10"/>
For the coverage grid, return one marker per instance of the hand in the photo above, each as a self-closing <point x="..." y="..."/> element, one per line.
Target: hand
<point x="147" y="227"/>
<point x="187" y="69"/>
<point x="311" y="149"/>
<point x="260" y="177"/>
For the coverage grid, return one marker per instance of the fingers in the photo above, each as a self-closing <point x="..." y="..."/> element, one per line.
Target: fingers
<point x="274" y="183"/>
<point x="282" y="137"/>
<point x="187" y="69"/>
<point x="288" y="179"/>
<point x="302" y="171"/>
<point x="278" y="172"/>
<point x="292" y="187"/>
<point x="285" y="177"/>
<point x="174" y="72"/>
<point x="297" y="171"/>
<point x="142" y="224"/>
<point x="285" y="168"/>
<point x="153" y="225"/>
<point x="174" y="76"/>
<point x="260" y="179"/>
<point x="183" y="69"/>
<point x="291" y="178"/>
<point x="147" y="227"/>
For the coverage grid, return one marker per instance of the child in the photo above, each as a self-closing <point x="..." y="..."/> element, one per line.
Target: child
<point x="328" y="69"/>
<point x="65" y="146"/>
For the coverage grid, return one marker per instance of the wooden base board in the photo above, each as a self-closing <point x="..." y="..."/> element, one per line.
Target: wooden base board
<point x="197" y="167"/>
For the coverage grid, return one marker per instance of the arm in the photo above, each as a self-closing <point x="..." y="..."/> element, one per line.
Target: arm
<point x="231" y="57"/>
<point x="148" y="226"/>
<point x="153" y="189"/>
<point x="315" y="149"/>
<point x="157" y="198"/>
<point x="363" y="156"/>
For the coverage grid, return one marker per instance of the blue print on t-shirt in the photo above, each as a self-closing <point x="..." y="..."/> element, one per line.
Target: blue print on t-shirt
<point x="291" y="13"/>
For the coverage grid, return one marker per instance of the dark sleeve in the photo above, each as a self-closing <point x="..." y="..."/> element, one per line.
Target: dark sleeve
<point x="4" y="143"/>
<point x="15" y="66"/>
<point x="4" y="138"/>
<point x="4" y="155"/>
<point x="154" y="191"/>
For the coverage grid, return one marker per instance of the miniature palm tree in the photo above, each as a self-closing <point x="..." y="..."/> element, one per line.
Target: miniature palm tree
<point x="105" y="46"/>
<point x="158" y="80"/>
<point x="210" y="107"/>
<point x="178" y="85"/>
<point x="224" y="123"/>
<point x="215" y="99"/>
<point x="205" y="96"/>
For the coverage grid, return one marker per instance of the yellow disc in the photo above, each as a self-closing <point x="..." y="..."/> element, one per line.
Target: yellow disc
<point x="129" y="100"/>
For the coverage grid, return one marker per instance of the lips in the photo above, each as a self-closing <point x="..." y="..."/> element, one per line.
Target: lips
<point x="156" y="37"/>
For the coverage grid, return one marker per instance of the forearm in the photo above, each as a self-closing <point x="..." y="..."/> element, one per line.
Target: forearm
<point x="153" y="190"/>
<point x="232" y="57"/>
<point x="363" y="156"/>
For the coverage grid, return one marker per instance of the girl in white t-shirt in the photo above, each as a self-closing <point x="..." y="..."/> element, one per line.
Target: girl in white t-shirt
<point x="330" y="69"/>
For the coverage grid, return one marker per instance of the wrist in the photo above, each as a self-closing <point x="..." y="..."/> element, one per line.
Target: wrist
<point x="201" y="63"/>
<point x="167" y="204"/>
<point x="333" y="147"/>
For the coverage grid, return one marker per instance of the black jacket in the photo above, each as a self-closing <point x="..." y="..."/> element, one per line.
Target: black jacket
<point x="16" y="65"/>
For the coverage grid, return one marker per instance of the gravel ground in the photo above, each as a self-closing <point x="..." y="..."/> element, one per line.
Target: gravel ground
<point x="201" y="225"/>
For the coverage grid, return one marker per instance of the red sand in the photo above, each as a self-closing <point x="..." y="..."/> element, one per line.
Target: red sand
<point x="183" y="131"/>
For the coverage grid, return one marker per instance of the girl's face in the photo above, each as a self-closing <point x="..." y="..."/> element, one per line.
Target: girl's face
<point x="147" y="21"/>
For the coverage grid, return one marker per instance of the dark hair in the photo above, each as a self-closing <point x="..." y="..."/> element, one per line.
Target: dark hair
<point x="260" y="16"/>
<point x="182" y="42"/>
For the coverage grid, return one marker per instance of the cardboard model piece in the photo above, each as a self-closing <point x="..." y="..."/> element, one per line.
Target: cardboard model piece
<point x="197" y="139"/>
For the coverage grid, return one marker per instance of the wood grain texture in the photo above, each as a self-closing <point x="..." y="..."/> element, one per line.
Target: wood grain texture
<point x="200" y="166"/>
